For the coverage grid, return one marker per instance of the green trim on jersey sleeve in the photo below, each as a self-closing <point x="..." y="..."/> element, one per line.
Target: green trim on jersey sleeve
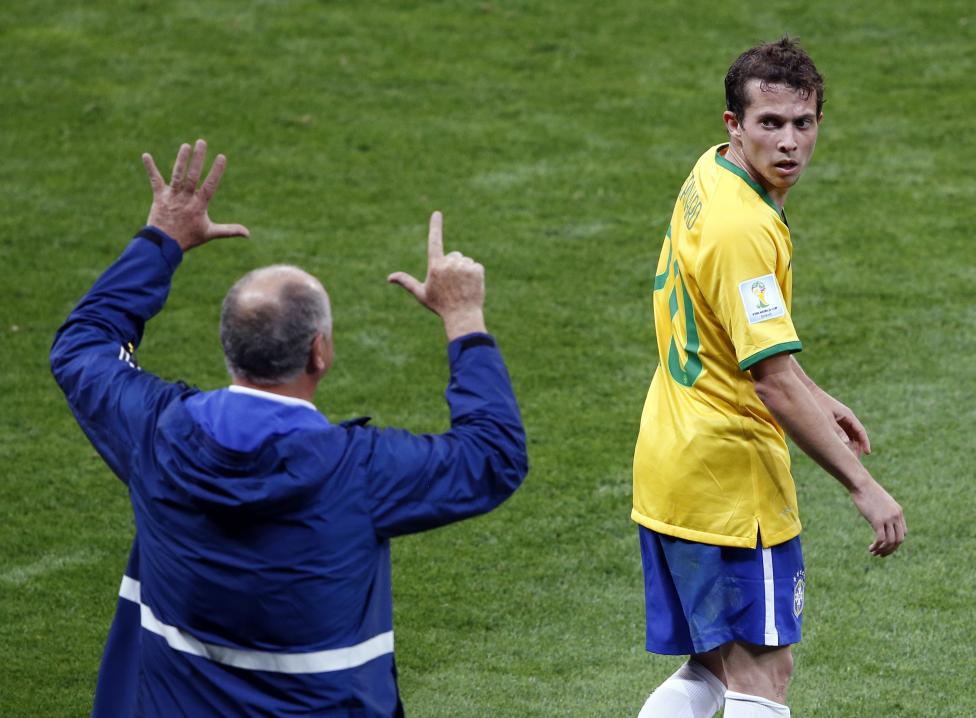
<point x="785" y="347"/>
<point x="742" y="174"/>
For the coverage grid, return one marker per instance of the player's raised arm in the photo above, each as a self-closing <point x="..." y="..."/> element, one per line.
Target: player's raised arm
<point x="180" y="208"/>
<point x="789" y="400"/>
<point x="454" y="288"/>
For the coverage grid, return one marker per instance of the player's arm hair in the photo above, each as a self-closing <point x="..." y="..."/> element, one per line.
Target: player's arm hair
<point x="804" y="377"/>
<point x="844" y="421"/>
<point x="798" y="412"/>
<point x="790" y="401"/>
<point x="808" y="382"/>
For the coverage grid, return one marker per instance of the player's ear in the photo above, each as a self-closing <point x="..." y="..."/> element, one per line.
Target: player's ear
<point x="732" y="124"/>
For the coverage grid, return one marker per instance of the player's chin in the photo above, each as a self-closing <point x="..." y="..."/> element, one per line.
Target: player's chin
<point x="780" y="182"/>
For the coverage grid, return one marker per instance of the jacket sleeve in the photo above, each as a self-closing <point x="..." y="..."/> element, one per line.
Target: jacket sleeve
<point x="420" y="482"/>
<point x="93" y="360"/>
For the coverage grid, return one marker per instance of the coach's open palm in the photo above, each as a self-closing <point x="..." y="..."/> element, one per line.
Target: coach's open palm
<point x="180" y="208"/>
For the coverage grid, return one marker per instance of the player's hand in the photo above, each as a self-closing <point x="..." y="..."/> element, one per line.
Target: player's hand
<point x="846" y="425"/>
<point x="180" y="208"/>
<point x="885" y="516"/>
<point x="454" y="288"/>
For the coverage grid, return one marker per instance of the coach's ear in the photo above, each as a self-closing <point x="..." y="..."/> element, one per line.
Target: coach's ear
<point x="320" y="356"/>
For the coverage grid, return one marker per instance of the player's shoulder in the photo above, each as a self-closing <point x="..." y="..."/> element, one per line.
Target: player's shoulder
<point x="708" y="161"/>
<point x="732" y="220"/>
<point x="738" y="211"/>
<point x="704" y="172"/>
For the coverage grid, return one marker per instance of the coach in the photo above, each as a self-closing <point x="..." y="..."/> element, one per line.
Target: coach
<point x="259" y="583"/>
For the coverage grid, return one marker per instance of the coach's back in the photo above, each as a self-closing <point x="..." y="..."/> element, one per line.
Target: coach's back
<point x="259" y="579"/>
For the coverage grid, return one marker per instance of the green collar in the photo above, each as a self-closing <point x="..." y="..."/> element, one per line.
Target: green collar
<point x="739" y="172"/>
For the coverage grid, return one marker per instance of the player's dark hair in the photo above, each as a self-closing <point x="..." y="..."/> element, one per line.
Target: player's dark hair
<point x="780" y="63"/>
<point x="268" y="343"/>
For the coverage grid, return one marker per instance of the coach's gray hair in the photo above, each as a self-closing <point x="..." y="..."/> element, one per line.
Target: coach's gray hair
<point x="267" y="335"/>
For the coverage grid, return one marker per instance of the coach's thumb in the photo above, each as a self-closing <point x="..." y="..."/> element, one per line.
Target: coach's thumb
<point x="409" y="283"/>
<point x="216" y="231"/>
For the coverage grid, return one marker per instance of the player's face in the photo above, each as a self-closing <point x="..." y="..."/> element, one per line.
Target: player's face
<point x="775" y="139"/>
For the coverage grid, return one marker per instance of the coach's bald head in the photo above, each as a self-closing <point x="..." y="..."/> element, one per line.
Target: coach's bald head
<point x="276" y="327"/>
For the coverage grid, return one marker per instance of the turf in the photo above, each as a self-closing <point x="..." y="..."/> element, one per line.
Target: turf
<point x="554" y="136"/>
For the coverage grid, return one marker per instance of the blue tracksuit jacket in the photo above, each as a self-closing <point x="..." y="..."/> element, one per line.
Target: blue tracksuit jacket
<point x="259" y="581"/>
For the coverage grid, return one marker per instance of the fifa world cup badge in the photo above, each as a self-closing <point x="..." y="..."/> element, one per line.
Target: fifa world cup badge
<point x="799" y="589"/>
<point x="762" y="298"/>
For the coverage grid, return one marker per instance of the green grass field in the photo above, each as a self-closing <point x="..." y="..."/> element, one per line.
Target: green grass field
<point x="554" y="136"/>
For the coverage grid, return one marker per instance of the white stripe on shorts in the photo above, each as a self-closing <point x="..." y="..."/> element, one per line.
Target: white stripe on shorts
<point x="335" y="659"/>
<point x="771" y="634"/>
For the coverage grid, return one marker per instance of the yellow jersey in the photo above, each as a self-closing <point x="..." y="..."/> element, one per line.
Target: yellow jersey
<point x="711" y="463"/>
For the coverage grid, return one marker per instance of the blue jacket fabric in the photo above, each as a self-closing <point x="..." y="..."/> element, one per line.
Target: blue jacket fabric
<point x="259" y="580"/>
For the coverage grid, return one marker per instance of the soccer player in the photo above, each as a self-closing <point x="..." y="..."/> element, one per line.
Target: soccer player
<point x="713" y="495"/>
<point x="259" y="582"/>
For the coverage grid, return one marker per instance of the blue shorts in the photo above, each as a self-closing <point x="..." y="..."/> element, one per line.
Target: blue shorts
<point x="698" y="596"/>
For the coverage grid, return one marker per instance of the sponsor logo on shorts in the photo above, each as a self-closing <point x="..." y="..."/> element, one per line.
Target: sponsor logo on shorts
<point x="799" y="591"/>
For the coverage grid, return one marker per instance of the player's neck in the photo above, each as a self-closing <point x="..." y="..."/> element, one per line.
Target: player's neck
<point x="735" y="155"/>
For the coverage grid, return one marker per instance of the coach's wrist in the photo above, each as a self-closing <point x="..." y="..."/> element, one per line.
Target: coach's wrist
<point x="470" y="321"/>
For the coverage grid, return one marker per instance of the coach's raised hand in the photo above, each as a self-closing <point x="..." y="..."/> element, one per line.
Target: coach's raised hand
<point x="180" y="208"/>
<point x="454" y="288"/>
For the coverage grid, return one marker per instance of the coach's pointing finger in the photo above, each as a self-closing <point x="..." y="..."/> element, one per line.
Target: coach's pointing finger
<point x="435" y="238"/>
<point x="454" y="287"/>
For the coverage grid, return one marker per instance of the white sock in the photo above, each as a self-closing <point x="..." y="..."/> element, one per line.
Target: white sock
<point x="692" y="691"/>
<point x="741" y="705"/>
